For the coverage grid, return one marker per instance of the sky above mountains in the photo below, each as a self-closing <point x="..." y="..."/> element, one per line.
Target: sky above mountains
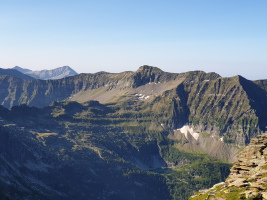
<point x="228" y="37"/>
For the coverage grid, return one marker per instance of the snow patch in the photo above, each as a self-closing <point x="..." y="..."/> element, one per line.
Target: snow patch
<point x="187" y="130"/>
<point x="142" y="96"/>
<point x="221" y="139"/>
<point x="195" y="135"/>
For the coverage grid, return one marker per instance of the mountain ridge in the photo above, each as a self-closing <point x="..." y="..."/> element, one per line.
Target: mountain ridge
<point x="142" y="128"/>
<point x="22" y="70"/>
<point x="14" y="73"/>
<point x="204" y="97"/>
<point x="57" y="73"/>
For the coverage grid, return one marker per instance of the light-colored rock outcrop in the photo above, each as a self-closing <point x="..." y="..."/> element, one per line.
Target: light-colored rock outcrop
<point x="248" y="177"/>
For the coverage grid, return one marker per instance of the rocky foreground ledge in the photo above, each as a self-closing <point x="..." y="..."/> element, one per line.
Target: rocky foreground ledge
<point x="248" y="177"/>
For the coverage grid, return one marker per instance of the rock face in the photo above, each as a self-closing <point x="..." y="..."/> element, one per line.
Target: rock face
<point x="248" y="177"/>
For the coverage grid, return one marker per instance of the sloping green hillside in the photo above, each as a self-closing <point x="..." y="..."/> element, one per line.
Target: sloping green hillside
<point x="70" y="150"/>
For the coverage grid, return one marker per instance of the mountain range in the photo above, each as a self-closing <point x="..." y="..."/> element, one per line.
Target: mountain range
<point x="146" y="134"/>
<point x="58" y="73"/>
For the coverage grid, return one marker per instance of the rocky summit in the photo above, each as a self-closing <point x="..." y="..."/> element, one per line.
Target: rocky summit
<point x="248" y="177"/>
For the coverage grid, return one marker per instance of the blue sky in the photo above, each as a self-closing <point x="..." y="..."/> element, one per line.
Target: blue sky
<point x="225" y="36"/>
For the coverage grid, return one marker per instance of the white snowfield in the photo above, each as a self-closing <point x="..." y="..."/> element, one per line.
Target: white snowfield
<point x="187" y="130"/>
<point x="142" y="96"/>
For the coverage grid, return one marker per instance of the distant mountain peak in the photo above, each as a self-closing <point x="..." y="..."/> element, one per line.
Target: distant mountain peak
<point x="149" y="68"/>
<point x="15" y="73"/>
<point x="22" y="70"/>
<point x="58" y="73"/>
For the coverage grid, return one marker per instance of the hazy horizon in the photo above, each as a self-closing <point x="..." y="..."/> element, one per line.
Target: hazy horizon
<point x="226" y="37"/>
